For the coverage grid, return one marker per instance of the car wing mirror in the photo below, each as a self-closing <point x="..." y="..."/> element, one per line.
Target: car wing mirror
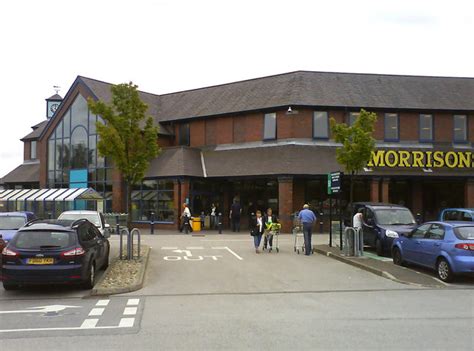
<point x="107" y="226"/>
<point x="107" y="234"/>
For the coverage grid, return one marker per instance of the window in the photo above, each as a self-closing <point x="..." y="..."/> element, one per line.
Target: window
<point x="153" y="200"/>
<point x="269" y="131"/>
<point x="420" y="232"/>
<point x="426" y="127"/>
<point x="391" y="127"/>
<point x="320" y="125"/>
<point x="460" y="128"/>
<point x="353" y="117"/>
<point x="466" y="217"/>
<point x="436" y="232"/>
<point x="33" y="150"/>
<point x="184" y="134"/>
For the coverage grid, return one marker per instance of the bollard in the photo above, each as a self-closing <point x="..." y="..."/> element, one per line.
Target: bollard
<point x="219" y="223"/>
<point x="321" y="223"/>
<point x="117" y="221"/>
<point x="137" y="231"/>
<point x="129" y="246"/>
<point x="152" y="223"/>
<point x="125" y="230"/>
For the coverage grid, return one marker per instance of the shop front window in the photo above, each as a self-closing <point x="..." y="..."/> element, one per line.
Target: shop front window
<point x="153" y="200"/>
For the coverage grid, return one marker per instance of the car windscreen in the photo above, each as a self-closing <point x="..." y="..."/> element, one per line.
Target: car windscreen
<point x="91" y="217"/>
<point x="12" y="222"/>
<point x="394" y="216"/>
<point x="464" y="233"/>
<point x="44" y="239"/>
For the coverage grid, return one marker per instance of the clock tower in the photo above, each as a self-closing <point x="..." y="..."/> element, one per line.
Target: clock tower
<point x="52" y="104"/>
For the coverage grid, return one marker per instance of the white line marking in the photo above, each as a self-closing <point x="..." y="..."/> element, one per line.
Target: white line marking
<point x="102" y="303"/>
<point x="133" y="302"/>
<point x="195" y="248"/>
<point x="130" y="311"/>
<point x="440" y="281"/>
<point x="232" y="252"/>
<point x="169" y="248"/>
<point x="88" y="323"/>
<point x="126" y="322"/>
<point x="96" y="312"/>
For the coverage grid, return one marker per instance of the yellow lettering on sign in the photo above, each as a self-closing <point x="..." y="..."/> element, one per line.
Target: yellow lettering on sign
<point x="465" y="159"/>
<point x="391" y="158"/>
<point x="438" y="158"/>
<point x="404" y="158"/>
<point x="429" y="162"/>
<point x="451" y="159"/>
<point x="417" y="159"/>
<point x="376" y="159"/>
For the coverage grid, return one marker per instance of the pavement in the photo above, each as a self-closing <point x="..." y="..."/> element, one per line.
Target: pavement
<point x="214" y="293"/>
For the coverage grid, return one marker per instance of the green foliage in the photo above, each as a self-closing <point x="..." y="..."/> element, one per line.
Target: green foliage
<point x="122" y="137"/>
<point x="357" y="141"/>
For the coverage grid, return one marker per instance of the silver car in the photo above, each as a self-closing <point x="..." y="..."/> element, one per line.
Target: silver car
<point x="95" y="217"/>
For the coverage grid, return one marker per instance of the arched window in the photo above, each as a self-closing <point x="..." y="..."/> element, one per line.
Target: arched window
<point x="80" y="151"/>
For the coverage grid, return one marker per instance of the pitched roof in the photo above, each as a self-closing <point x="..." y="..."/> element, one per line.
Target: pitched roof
<point x="307" y="88"/>
<point x="37" y="130"/>
<point x="24" y="173"/>
<point x="176" y="161"/>
<point x="55" y="97"/>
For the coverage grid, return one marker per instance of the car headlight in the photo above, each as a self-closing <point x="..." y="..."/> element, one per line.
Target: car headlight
<point x="391" y="234"/>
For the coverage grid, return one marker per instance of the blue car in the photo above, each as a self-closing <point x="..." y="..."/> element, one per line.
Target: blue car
<point x="457" y="214"/>
<point x="446" y="247"/>
<point x="10" y="222"/>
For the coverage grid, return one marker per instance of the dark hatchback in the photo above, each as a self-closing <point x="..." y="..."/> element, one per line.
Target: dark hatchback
<point x="46" y="252"/>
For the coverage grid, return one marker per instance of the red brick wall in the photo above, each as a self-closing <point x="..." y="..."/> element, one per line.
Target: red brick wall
<point x="443" y="127"/>
<point x="385" y="190"/>
<point x="225" y="130"/>
<point x="302" y="124"/>
<point x="165" y="141"/>
<point x="298" y="195"/>
<point x="197" y="130"/>
<point x="285" y="203"/>
<point x="470" y="126"/>
<point x="253" y="127"/>
<point x="211" y="131"/>
<point x="379" y="127"/>
<point x="409" y="126"/>
<point x="375" y="190"/>
<point x="469" y="194"/>
<point x="285" y="124"/>
<point x="27" y="150"/>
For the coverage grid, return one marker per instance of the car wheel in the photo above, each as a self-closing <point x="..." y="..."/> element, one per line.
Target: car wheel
<point x="378" y="247"/>
<point x="89" y="283"/>
<point x="8" y="286"/>
<point x="397" y="257"/>
<point x="444" y="271"/>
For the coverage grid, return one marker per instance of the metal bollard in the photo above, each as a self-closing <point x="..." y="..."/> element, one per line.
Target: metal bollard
<point x="129" y="246"/>
<point x="125" y="230"/>
<point x="152" y="223"/>
<point x="321" y="223"/>
<point x="136" y="231"/>
<point x="219" y="223"/>
<point x="117" y="222"/>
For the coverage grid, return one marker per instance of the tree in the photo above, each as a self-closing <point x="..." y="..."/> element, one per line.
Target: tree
<point x="127" y="136"/>
<point x="357" y="144"/>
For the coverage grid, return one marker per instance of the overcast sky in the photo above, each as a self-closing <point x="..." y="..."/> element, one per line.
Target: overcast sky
<point x="166" y="46"/>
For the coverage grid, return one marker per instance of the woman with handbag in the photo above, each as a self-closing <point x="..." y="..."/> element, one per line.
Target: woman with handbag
<point x="256" y="230"/>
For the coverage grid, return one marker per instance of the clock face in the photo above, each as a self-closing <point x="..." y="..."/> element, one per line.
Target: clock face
<point x="53" y="108"/>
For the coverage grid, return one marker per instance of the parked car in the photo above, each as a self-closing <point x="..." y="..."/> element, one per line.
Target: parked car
<point x="383" y="223"/>
<point x="457" y="214"/>
<point x="95" y="217"/>
<point x="10" y="222"/>
<point x="447" y="247"/>
<point x="55" y="251"/>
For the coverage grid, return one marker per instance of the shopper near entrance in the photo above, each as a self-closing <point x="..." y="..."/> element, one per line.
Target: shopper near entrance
<point x="235" y="212"/>
<point x="213" y="216"/>
<point x="358" y="219"/>
<point x="307" y="218"/>
<point x="257" y="228"/>
<point x="269" y="219"/>
<point x="186" y="218"/>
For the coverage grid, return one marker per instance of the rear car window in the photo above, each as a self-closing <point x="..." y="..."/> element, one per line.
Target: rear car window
<point x="44" y="239"/>
<point x="91" y="217"/>
<point x="464" y="233"/>
<point x="12" y="222"/>
<point x="394" y="216"/>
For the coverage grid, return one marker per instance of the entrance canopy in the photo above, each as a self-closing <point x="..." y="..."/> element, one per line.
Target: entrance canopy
<point x="49" y="203"/>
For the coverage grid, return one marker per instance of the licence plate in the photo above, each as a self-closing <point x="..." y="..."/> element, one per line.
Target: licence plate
<point x="40" y="261"/>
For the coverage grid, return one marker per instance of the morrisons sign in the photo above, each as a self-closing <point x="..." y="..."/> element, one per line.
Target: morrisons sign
<point x="421" y="159"/>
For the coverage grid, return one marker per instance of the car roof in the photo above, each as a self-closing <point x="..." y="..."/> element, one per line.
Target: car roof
<point x="52" y="224"/>
<point x="82" y="212"/>
<point x="16" y="213"/>
<point x="378" y="204"/>
<point x="455" y="223"/>
<point x="459" y="209"/>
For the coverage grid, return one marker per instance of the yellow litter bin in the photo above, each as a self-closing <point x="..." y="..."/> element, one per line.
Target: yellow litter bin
<point x="196" y="224"/>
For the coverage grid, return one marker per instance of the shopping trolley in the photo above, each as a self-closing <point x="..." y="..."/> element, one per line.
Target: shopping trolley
<point x="272" y="230"/>
<point x="298" y="235"/>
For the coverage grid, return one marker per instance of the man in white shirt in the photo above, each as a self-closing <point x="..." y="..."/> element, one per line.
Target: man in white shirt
<point x="186" y="217"/>
<point x="358" y="219"/>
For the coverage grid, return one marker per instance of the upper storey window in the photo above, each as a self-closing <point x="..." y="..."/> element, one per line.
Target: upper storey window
<point x="460" y="128"/>
<point x="426" y="128"/>
<point x="352" y="118"/>
<point x="269" y="129"/>
<point x="320" y="125"/>
<point x="183" y="134"/>
<point x="391" y="127"/>
<point x="33" y="150"/>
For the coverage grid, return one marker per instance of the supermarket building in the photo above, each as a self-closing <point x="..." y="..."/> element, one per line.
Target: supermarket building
<point x="266" y="142"/>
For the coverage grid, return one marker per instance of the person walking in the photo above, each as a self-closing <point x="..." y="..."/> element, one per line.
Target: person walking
<point x="186" y="218"/>
<point x="235" y="212"/>
<point x="213" y="216"/>
<point x="307" y="218"/>
<point x="256" y="230"/>
<point x="269" y="219"/>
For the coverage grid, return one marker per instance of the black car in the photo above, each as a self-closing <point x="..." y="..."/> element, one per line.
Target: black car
<point x="55" y="251"/>
<point x="383" y="223"/>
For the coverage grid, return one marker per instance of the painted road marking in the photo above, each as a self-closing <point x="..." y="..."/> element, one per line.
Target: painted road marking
<point x="169" y="248"/>
<point x="126" y="322"/>
<point x="102" y="303"/>
<point x="133" y="302"/>
<point x="195" y="248"/>
<point x="89" y="323"/>
<point x="130" y="311"/>
<point x="96" y="312"/>
<point x="228" y="249"/>
<point x="189" y="256"/>
<point x="41" y="309"/>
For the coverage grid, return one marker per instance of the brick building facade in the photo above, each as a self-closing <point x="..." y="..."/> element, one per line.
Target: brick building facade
<point x="266" y="143"/>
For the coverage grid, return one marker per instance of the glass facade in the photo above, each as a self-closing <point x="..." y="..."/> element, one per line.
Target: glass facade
<point x="73" y="146"/>
<point x="153" y="196"/>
